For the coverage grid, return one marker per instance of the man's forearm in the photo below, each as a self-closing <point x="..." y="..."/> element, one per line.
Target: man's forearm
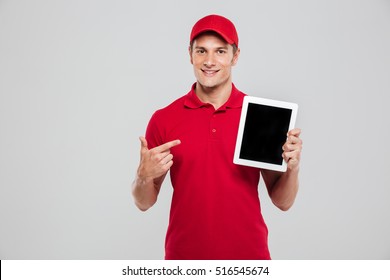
<point x="144" y="193"/>
<point x="285" y="190"/>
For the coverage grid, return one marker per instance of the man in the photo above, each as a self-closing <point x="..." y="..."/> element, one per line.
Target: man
<point x="215" y="211"/>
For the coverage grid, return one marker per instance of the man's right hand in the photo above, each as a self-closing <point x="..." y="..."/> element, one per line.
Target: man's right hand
<point x="155" y="162"/>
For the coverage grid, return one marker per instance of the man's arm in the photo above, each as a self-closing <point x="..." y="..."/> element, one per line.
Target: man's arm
<point x="153" y="167"/>
<point x="283" y="187"/>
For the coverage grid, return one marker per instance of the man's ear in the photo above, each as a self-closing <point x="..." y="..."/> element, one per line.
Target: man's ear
<point x="235" y="57"/>
<point x="190" y="53"/>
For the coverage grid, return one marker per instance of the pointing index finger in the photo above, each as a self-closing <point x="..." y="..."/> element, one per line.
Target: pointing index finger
<point x="167" y="146"/>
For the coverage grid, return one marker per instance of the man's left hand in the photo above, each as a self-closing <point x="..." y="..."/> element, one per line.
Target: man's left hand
<point x="292" y="149"/>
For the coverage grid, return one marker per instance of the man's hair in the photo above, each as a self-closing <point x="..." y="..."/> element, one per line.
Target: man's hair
<point x="215" y="34"/>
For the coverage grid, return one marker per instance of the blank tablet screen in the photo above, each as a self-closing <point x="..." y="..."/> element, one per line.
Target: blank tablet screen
<point x="265" y="132"/>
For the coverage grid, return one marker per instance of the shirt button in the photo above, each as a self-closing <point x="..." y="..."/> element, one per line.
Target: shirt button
<point x="214" y="130"/>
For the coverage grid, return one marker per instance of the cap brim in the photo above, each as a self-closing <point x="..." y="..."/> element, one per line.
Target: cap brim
<point x="227" y="39"/>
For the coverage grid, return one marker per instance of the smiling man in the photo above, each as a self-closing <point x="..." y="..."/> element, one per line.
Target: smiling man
<point x="215" y="210"/>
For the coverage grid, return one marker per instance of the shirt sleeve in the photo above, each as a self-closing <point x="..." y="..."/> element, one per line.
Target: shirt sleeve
<point x="153" y="132"/>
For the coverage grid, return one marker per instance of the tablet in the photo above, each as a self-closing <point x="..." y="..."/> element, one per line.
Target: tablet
<point x="262" y="132"/>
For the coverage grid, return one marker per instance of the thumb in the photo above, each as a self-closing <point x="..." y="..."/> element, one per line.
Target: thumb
<point x="144" y="143"/>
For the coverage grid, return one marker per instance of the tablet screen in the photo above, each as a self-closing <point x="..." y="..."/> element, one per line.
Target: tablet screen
<point x="265" y="133"/>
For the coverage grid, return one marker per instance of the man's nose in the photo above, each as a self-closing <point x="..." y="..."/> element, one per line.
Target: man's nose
<point x="209" y="60"/>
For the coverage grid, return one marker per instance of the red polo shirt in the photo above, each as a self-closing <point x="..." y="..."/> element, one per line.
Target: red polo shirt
<point x="215" y="211"/>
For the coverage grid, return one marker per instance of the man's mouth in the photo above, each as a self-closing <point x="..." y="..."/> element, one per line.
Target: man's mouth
<point x="209" y="72"/>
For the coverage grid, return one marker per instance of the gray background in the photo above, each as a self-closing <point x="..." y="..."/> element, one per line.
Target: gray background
<point x="79" y="81"/>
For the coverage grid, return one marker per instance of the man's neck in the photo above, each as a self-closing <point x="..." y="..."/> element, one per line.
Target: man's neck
<point x="216" y="96"/>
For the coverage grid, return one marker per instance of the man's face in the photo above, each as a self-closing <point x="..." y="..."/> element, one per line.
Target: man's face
<point x="212" y="59"/>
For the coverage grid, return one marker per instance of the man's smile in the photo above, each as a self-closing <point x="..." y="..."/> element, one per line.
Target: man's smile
<point x="209" y="73"/>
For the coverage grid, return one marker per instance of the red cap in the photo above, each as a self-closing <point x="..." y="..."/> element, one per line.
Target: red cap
<point x="216" y="23"/>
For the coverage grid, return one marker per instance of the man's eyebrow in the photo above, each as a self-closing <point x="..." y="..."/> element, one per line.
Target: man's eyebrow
<point x="217" y="48"/>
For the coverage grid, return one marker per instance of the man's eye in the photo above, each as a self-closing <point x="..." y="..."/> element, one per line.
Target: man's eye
<point x="221" y="51"/>
<point x="200" y="51"/>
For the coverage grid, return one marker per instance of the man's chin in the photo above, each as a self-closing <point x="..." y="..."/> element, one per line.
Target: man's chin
<point x="208" y="86"/>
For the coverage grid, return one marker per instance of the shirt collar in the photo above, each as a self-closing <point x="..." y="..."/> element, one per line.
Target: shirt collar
<point x="235" y="100"/>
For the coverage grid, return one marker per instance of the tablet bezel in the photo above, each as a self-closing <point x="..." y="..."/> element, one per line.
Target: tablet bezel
<point x="266" y="102"/>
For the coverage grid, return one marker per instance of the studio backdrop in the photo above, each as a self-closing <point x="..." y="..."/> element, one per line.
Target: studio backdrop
<point x="79" y="81"/>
